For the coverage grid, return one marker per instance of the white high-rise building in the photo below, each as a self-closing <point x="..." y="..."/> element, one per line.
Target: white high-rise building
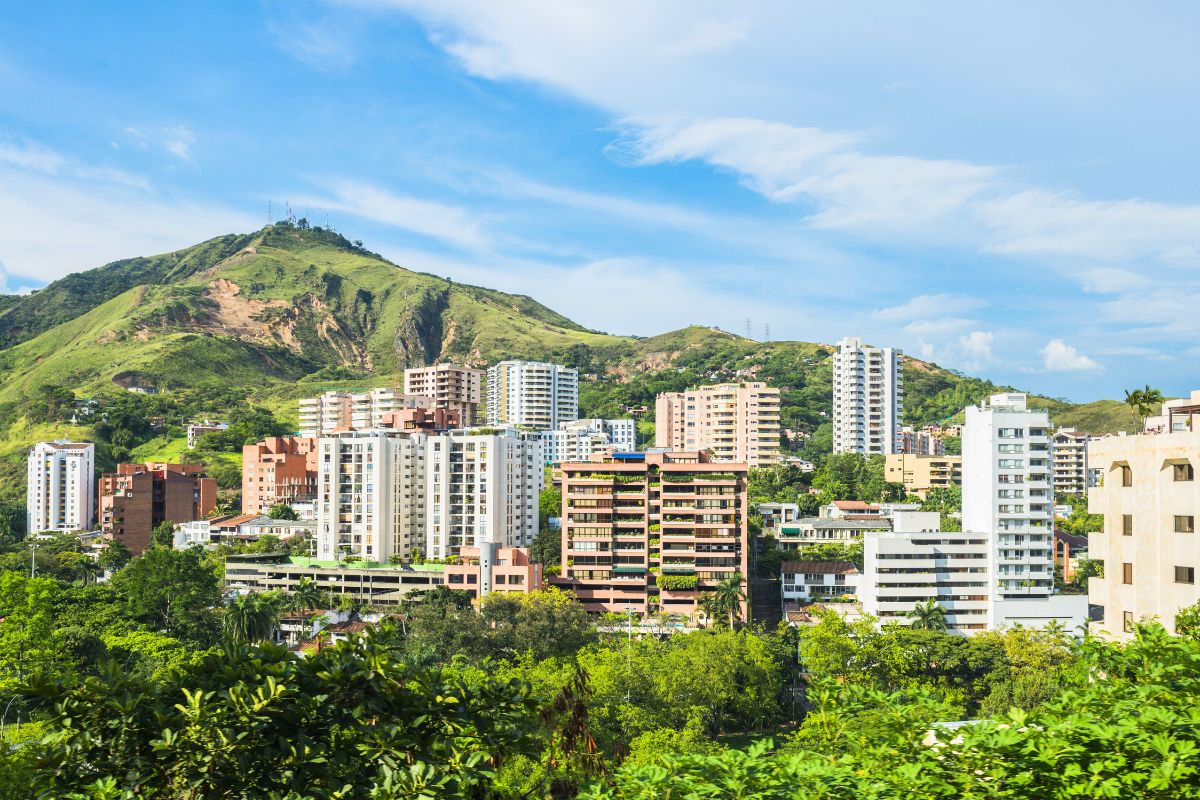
<point x="482" y="488"/>
<point x="868" y="398"/>
<point x="576" y="441"/>
<point x="370" y="494"/>
<point x="1071" y="474"/>
<point x="532" y="394"/>
<point x="62" y="479"/>
<point x="1008" y="491"/>
<point x="336" y="411"/>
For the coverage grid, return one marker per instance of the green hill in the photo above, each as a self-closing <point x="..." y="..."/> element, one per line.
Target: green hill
<point x="288" y="312"/>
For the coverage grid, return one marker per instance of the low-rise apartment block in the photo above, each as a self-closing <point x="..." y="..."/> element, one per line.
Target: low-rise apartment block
<point x="532" y="394"/>
<point x="578" y="440"/>
<point x="338" y="411"/>
<point x="60" y="477"/>
<point x="137" y="498"/>
<point x="1071" y="473"/>
<point x="737" y="422"/>
<point x="652" y="531"/>
<point x="278" y="470"/>
<point x="925" y="442"/>
<point x="452" y="387"/>
<point x="921" y="473"/>
<point x="818" y="581"/>
<point x="492" y="568"/>
<point x="1150" y="500"/>
<point x="198" y="429"/>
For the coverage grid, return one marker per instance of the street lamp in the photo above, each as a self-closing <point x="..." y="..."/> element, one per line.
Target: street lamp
<point x="33" y="546"/>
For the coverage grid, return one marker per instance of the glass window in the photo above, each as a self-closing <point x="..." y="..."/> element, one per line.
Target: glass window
<point x="1126" y="475"/>
<point x="1127" y="525"/>
<point x="1186" y="524"/>
<point x="1128" y="619"/>
<point x="1185" y="574"/>
<point x="1127" y="573"/>
<point x="1184" y="472"/>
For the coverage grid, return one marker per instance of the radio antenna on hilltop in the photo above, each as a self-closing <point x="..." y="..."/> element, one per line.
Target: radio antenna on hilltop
<point x="767" y="332"/>
<point x="748" y="331"/>
<point x="270" y="215"/>
<point x="290" y="216"/>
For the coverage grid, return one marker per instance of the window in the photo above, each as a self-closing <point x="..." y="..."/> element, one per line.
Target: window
<point x="1126" y="475"/>
<point x="1128" y="622"/>
<point x="1185" y="574"/>
<point x="1127" y="573"/>
<point x="1185" y="524"/>
<point x="1127" y="525"/>
<point x="1184" y="472"/>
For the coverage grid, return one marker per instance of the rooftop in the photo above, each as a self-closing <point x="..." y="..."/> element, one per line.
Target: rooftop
<point x="820" y="567"/>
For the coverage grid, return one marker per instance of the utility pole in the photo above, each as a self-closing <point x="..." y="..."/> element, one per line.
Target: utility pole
<point x="33" y="546"/>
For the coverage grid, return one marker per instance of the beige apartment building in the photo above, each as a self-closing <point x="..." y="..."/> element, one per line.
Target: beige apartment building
<point x="452" y="387"/>
<point x="1150" y="499"/>
<point x="920" y="474"/>
<point x="738" y="422"/>
<point x="652" y="532"/>
<point x="336" y="411"/>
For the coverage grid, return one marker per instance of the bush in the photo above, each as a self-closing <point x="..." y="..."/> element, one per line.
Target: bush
<point x="676" y="583"/>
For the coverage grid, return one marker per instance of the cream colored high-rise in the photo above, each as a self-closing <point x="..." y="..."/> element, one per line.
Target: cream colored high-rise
<point x="1150" y="500"/>
<point x="868" y="398"/>
<point x="736" y="421"/>
<point x="451" y="386"/>
<point x="337" y="411"/>
<point x="61" y="479"/>
<point x="532" y="394"/>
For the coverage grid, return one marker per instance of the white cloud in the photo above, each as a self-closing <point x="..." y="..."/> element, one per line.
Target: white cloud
<point x="928" y="305"/>
<point x="977" y="345"/>
<point x="37" y="158"/>
<point x="176" y="140"/>
<point x="1058" y="356"/>
<point x="452" y="224"/>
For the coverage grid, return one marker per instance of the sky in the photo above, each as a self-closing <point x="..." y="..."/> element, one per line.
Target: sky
<point x="1010" y="190"/>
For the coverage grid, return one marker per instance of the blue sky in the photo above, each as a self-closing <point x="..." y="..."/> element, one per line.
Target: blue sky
<point x="1010" y="191"/>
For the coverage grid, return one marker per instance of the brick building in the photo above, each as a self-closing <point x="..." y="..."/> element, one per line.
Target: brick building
<point x="138" y="497"/>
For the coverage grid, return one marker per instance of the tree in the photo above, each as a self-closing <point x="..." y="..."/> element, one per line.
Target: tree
<point x="928" y="616"/>
<point x="282" y="511"/>
<point x="163" y="535"/>
<point x="306" y="594"/>
<point x="251" y="618"/>
<point x="728" y="596"/>
<point x="545" y="623"/>
<point x="172" y="591"/>
<point x="114" y="556"/>
<point x="1144" y="402"/>
<point x="546" y="548"/>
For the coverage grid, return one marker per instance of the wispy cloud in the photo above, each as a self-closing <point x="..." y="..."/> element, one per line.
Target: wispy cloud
<point x="925" y="306"/>
<point x="176" y="140"/>
<point x="37" y="158"/>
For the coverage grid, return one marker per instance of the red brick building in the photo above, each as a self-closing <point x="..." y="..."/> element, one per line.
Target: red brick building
<point x="280" y="469"/>
<point x="138" y="497"/>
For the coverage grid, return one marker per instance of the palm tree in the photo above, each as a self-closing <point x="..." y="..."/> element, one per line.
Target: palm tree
<point x="306" y="595"/>
<point x="728" y="596"/>
<point x="928" y="616"/>
<point x="251" y="618"/>
<point x="1144" y="402"/>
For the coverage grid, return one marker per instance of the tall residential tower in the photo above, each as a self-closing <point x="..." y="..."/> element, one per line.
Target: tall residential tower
<point x="532" y="394"/>
<point x="59" y="494"/>
<point x="868" y="398"/>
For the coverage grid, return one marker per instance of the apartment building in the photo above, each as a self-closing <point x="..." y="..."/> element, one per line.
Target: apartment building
<point x="532" y="394"/>
<point x="1008" y="493"/>
<point x="492" y="568"/>
<point x="578" y="440"/>
<point x="337" y="410"/>
<point x="198" y="429"/>
<point x="738" y="422"/>
<point x="452" y="387"/>
<point x="481" y="487"/>
<point x="278" y="470"/>
<point x="921" y="473"/>
<point x="137" y="498"/>
<point x="924" y="442"/>
<point x="1071" y="473"/>
<point x="370" y="494"/>
<point x="1150" y="500"/>
<point x="814" y="581"/>
<point x="652" y="531"/>
<point x="868" y="398"/>
<point x="60" y="477"/>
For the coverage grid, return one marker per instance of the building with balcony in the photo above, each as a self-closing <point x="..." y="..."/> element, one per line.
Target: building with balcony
<point x="737" y="422"/>
<point x="370" y="495"/>
<point x="198" y="429"/>
<point x="925" y="442"/>
<point x="650" y="532"/>
<point x="1071" y="473"/>
<point x="818" y="581"/>
<point x="532" y="394"/>
<point x="491" y="568"/>
<point x="280" y="470"/>
<point x="868" y="398"/>
<point x="1150" y="500"/>
<point x="452" y="387"/>
<point x="481" y="487"/>
<point x="374" y="584"/>
<point x="58" y="495"/>
<point x="919" y="474"/>
<point x="578" y="440"/>
<point x="338" y="411"/>
<point x="137" y="498"/>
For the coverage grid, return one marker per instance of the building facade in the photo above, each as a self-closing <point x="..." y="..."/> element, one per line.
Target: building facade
<point x="452" y="387"/>
<point x="1071" y="473"/>
<point x="370" y="495"/>
<point x="59" y="489"/>
<point x="481" y="487"/>
<point x="379" y="585"/>
<point x="650" y="532"/>
<point x="919" y="474"/>
<point x="492" y="568"/>
<point x="815" y="581"/>
<point x="1008" y="491"/>
<point x="578" y="440"/>
<point x="198" y="429"/>
<point x="532" y="394"/>
<point x="738" y="422"/>
<point x="1150" y="500"/>
<point x="337" y="411"/>
<point x="278" y="470"/>
<point x="924" y="442"/>
<point x="137" y="498"/>
<point x="868" y="398"/>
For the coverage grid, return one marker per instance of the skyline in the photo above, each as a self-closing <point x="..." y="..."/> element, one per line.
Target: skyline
<point x="1000" y="192"/>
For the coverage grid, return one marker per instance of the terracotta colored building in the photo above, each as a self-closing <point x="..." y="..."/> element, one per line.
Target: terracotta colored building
<point x="652" y="531"/>
<point x="138" y="497"/>
<point x="430" y="420"/>
<point x="280" y="469"/>
<point x="494" y="569"/>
